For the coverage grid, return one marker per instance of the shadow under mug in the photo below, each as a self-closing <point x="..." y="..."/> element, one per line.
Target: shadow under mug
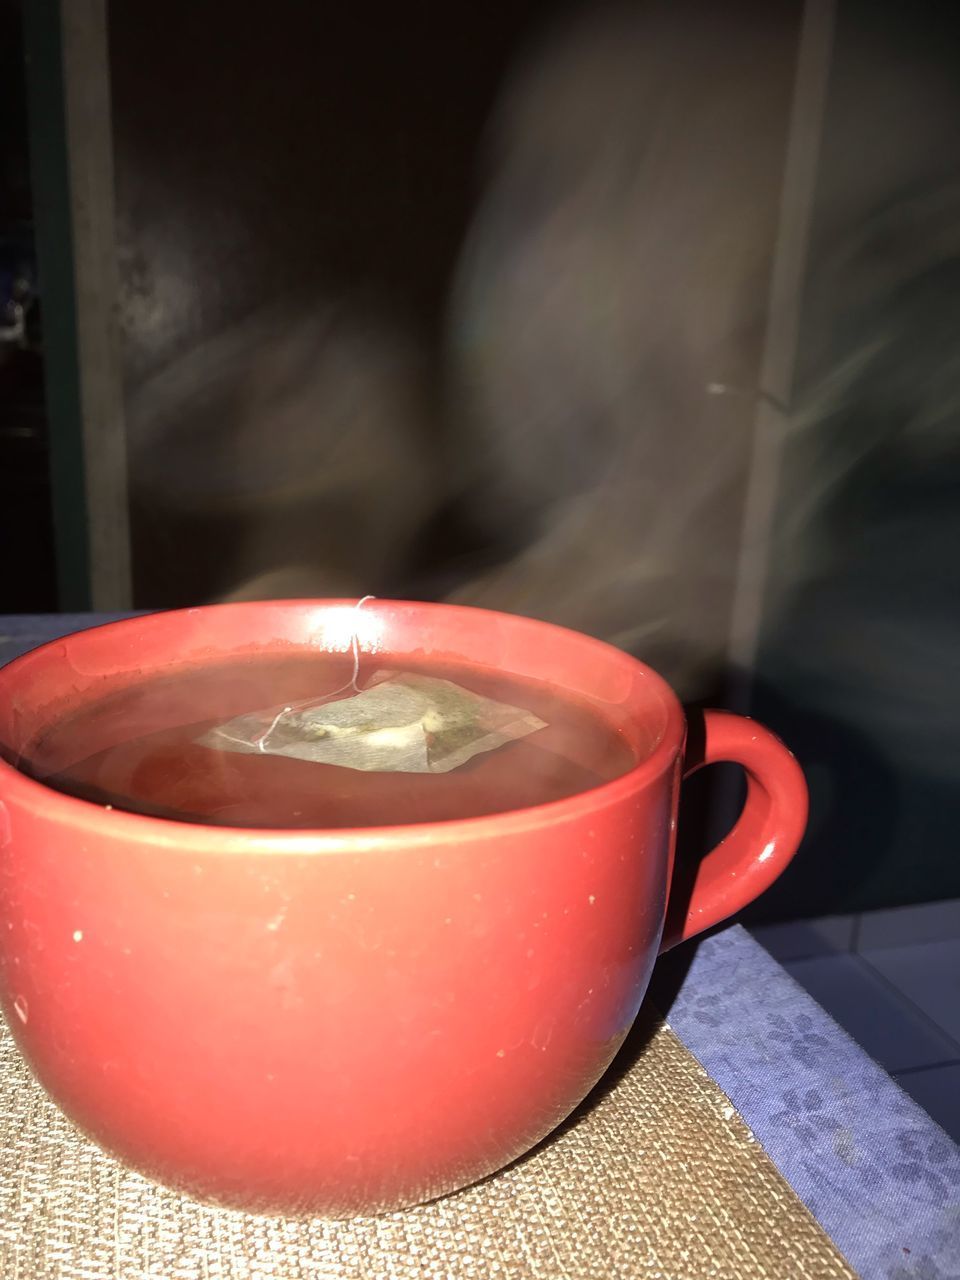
<point x="350" y="1021"/>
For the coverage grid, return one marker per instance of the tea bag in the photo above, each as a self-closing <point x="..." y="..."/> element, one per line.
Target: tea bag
<point x="399" y="722"/>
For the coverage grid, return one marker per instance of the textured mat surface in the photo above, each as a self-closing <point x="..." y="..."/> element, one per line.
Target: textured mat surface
<point x="658" y="1177"/>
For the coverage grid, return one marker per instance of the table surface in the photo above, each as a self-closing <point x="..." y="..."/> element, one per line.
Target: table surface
<point x="881" y="1178"/>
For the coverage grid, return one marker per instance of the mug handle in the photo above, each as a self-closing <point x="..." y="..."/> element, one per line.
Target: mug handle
<point x="765" y="836"/>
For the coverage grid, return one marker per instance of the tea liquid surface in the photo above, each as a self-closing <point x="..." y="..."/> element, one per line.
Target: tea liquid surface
<point x="137" y="749"/>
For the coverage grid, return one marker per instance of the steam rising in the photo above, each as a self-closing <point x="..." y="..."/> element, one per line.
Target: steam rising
<point x="615" y="275"/>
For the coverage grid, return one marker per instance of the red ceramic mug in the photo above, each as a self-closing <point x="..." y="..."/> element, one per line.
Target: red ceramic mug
<point x="436" y="999"/>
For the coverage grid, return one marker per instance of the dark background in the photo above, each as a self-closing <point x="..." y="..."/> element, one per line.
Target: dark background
<point x="375" y="119"/>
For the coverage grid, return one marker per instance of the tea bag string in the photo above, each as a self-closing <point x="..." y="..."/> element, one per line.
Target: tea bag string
<point x="351" y="683"/>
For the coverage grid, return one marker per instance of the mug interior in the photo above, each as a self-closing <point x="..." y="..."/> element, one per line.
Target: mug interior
<point x="58" y="680"/>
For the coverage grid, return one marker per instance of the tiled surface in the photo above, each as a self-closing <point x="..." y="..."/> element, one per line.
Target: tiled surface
<point x="905" y="926"/>
<point x="929" y="974"/>
<point x="880" y="1019"/>
<point x="802" y="939"/>
<point x="892" y="980"/>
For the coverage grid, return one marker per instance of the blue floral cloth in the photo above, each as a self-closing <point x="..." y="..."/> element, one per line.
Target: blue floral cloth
<point x="879" y="1176"/>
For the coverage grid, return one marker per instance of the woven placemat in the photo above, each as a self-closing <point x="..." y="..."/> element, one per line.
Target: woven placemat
<point x="658" y="1177"/>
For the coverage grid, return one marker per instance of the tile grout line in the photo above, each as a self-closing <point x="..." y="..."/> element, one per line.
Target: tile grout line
<point x="933" y="1066"/>
<point x="910" y="1003"/>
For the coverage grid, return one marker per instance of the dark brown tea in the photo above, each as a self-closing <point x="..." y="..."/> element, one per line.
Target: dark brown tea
<point x="137" y="749"/>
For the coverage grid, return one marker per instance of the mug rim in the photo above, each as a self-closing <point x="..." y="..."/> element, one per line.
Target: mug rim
<point x="191" y="838"/>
